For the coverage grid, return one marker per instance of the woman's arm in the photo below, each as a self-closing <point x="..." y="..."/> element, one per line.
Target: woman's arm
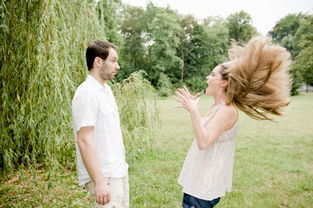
<point x="205" y="136"/>
<point x="223" y="119"/>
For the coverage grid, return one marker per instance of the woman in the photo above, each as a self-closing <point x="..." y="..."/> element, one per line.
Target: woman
<point x="254" y="80"/>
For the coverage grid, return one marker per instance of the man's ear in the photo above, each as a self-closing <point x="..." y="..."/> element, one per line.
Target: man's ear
<point x="97" y="63"/>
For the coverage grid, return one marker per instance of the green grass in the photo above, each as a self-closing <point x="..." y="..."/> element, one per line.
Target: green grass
<point x="273" y="165"/>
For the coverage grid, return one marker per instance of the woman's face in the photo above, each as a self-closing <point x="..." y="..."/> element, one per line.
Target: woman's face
<point x="214" y="81"/>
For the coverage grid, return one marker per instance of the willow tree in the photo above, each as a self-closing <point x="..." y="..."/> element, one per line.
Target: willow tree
<point x="109" y="19"/>
<point x="42" y="59"/>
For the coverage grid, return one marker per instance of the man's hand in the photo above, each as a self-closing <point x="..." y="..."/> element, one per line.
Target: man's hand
<point x="102" y="193"/>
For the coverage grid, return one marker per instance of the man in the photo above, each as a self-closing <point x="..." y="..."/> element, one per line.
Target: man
<point x="100" y="150"/>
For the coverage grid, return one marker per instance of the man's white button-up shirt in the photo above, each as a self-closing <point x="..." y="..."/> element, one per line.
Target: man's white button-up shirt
<point x="94" y="105"/>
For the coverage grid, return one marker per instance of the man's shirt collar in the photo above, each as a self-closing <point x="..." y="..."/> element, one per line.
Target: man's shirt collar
<point x="92" y="80"/>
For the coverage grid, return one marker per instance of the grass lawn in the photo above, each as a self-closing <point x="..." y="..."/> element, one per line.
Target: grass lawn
<point x="273" y="165"/>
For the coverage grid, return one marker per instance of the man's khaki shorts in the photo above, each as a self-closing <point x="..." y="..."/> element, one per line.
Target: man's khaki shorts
<point x="119" y="192"/>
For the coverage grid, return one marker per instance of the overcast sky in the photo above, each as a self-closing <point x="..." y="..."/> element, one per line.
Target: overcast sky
<point x="264" y="13"/>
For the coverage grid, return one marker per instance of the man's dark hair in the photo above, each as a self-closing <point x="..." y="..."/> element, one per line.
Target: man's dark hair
<point x="98" y="48"/>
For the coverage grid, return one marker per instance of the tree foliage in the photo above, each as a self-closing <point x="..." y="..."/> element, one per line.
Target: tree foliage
<point x="40" y="54"/>
<point x="109" y="19"/>
<point x="133" y="52"/>
<point x="240" y="26"/>
<point x="42" y="61"/>
<point x="293" y="32"/>
<point x="181" y="48"/>
<point x="161" y="39"/>
<point x="284" y="32"/>
<point x="304" y="61"/>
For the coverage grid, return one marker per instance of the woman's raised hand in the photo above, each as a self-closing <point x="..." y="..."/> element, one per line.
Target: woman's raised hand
<point x="187" y="100"/>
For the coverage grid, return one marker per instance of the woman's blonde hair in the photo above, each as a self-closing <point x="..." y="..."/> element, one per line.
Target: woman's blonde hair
<point x="258" y="79"/>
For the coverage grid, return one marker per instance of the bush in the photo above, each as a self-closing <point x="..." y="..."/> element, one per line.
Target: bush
<point x="136" y="99"/>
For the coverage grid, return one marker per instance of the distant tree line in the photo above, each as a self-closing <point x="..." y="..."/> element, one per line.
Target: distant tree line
<point x="295" y="32"/>
<point x="176" y="49"/>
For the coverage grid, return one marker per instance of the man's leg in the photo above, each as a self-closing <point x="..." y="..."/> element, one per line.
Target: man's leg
<point x="126" y="192"/>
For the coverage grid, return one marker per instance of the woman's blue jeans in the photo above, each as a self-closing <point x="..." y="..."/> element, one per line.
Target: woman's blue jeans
<point x="194" y="202"/>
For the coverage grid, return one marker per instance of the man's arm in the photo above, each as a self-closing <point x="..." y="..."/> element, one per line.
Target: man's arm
<point x="88" y="153"/>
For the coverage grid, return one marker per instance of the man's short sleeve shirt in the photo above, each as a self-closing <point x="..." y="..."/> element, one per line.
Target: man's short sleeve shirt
<point x="94" y="105"/>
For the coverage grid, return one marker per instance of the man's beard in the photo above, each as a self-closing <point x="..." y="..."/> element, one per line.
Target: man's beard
<point x="106" y="76"/>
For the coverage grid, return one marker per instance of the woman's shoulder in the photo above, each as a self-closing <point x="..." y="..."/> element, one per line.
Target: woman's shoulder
<point x="229" y="109"/>
<point x="231" y="113"/>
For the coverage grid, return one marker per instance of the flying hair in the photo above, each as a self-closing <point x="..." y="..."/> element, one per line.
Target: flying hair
<point x="258" y="79"/>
